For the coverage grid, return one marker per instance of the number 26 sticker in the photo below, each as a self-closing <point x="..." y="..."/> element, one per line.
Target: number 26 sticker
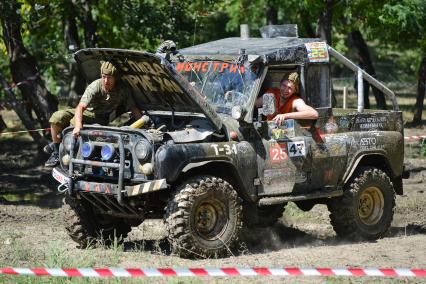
<point x="296" y="149"/>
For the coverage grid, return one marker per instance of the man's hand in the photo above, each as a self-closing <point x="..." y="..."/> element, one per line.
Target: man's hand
<point x="78" y="118"/>
<point x="279" y="119"/>
<point x="76" y="131"/>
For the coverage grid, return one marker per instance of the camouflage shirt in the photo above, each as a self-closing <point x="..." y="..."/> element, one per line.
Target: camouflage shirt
<point x="102" y="103"/>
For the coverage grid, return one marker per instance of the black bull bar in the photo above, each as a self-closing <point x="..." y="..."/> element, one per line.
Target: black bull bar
<point x="119" y="166"/>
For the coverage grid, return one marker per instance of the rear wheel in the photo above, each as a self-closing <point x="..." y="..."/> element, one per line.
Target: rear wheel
<point x="365" y="211"/>
<point x="203" y="218"/>
<point x="87" y="228"/>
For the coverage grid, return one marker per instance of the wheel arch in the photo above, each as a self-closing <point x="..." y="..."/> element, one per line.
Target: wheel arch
<point x="377" y="160"/>
<point x="220" y="169"/>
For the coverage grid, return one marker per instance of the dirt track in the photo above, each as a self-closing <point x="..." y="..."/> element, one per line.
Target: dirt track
<point x="31" y="231"/>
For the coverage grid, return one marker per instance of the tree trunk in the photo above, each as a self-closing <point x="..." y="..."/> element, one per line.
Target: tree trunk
<point x="324" y="22"/>
<point x="324" y="32"/>
<point x="72" y="44"/>
<point x="87" y="21"/>
<point x="271" y="14"/>
<point x="22" y="114"/>
<point x="23" y="65"/>
<point x="306" y="23"/>
<point x="366" y="63"/>
<point x="421" y="90"/>
<point x="3" y="125"/>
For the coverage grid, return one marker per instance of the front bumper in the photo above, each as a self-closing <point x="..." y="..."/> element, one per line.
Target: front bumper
<point x="109" y="188"/>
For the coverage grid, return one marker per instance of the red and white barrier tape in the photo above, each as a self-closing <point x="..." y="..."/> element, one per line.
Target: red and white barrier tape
<point x="214" y="272"/>
<point x="414" y="137"/>
<point x="27" y="80"/>
<point x="24" y="131"/>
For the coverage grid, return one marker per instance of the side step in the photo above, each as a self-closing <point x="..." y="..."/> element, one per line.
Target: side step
<point x="283" y="199"/>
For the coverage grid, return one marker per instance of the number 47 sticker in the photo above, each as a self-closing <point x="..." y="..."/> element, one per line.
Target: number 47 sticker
<point x="296" y="149"/>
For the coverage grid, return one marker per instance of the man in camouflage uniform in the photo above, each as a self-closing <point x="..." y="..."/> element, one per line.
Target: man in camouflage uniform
<point x="98" y="104"/>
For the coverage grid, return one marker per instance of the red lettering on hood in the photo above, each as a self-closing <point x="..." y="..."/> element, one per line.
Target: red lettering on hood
<point x="206" y="66"/>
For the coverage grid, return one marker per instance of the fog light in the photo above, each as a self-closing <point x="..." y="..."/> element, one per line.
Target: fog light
<point x="147" y="169"/>
<point x="87" y="149"/>
<point x="107" y="152"/>
<point x="66" y="160"/>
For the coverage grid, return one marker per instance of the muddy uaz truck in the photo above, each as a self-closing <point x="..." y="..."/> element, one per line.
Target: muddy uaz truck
<point x="209" y="163"/>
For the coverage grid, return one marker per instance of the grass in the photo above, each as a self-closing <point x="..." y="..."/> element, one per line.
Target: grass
<point x="293" y="213"/>
<point x="415" y="149"/>
<point x="57" y="255"/>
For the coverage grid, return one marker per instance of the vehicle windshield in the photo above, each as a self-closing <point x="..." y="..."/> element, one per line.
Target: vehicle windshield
<point x="223" y="84"/>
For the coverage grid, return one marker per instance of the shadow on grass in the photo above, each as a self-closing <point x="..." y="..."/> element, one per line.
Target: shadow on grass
<point x="409" y="230"/>
<point x="278" y="237"/>
<point x="161" y="246"/>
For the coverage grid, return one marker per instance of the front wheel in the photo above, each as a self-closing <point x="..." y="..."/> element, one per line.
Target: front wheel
<point x="203" y="218"/>
<point x="89" y="229"/>
<point x="365" y="211"/>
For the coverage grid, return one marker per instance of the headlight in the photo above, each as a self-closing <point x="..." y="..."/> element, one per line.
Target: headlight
<point x="87" y="149"/>
<point x="107" y="152"/>
<point x="143" y="150"/>
<point x="67" y="142"/>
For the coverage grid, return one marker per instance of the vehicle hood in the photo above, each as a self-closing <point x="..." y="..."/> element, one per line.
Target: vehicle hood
<point x="154" y="83"/>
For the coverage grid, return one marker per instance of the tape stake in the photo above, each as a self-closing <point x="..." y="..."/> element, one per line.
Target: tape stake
<point x="213" y="272"/>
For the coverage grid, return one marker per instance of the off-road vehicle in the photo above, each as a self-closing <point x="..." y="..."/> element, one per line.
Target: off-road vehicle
<point x="208" y="162"/>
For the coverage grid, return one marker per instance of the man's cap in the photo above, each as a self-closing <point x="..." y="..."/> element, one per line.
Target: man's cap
<point x="107" y="68"/>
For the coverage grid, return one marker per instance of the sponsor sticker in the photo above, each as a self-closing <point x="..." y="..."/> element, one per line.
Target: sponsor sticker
<point x="59" y="177"/>
<point x="296" y="149"/>
<point x="344" y="122"/>
<point x="317" y="51"/>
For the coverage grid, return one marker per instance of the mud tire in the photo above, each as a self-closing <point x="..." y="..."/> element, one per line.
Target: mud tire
<point x="262" y="217"/>
<point x="348" y="213"/>
<point x="88" y="229"/>
<point x="203" y="218"/>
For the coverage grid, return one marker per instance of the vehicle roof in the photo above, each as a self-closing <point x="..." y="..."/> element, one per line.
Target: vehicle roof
<point x="279" y="49"/>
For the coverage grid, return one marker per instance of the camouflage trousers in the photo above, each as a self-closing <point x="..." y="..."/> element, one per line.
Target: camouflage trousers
<point x="64" y="118"/>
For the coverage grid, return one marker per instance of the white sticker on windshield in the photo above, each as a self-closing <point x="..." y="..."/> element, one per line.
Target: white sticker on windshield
<point x="296" y="149"/>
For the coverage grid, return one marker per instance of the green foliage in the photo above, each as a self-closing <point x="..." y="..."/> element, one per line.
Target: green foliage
<point x="142" y="25"/>
<point x="405" y="19"/>
<point x="423" y="148"/>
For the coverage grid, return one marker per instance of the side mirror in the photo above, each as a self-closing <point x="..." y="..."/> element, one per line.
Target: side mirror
<point x="238" y="112"/>
<point x="268" y="107"/>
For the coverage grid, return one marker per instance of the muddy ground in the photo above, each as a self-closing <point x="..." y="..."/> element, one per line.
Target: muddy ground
<point x="32" y="234"/>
